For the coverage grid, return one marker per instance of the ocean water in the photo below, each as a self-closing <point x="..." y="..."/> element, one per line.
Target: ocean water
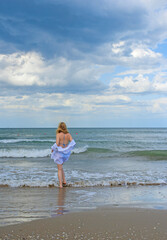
<point x="102" y="157"/>
<point x="115" y="166"/>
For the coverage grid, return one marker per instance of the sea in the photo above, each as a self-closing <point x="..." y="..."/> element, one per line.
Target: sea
<point x="118" y="166"/>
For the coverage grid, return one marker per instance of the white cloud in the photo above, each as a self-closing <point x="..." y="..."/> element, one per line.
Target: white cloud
<point x="118" y="47"/>
<point x="141" y="53"/>
<point x="140" y="84"/>
<point x="158" y="106"/>
<point x="28" y="69"/>
<point x="31" y="69"/>
<point x="21" y="69"/>
<point x="130" y="84"/>
<point x="110" y="99"/>
<point x="137" y="57"/>
<point x="160" y="82"/>
<point x="140" y="71"/>
<point x="63" y="102"/>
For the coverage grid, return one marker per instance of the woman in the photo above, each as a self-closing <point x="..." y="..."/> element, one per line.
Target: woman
<point x="61" y="150"/>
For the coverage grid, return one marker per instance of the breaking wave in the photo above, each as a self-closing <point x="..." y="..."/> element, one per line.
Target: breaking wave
<point x="7" y="141"/>
<point x="33" y="153"/>
<point x="24" y="153"/>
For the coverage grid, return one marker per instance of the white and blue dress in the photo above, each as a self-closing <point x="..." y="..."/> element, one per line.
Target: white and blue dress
<point x="61" y="155"/>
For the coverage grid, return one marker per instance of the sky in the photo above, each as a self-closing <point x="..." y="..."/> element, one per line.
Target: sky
<point x="98" y="63"/>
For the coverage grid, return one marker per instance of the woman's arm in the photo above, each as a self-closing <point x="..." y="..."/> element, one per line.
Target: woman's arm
<point x="57" y="139"/>
<point x="70" y="137"/>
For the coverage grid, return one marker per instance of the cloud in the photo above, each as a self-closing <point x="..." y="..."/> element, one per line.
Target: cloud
<point x="160" y="82"/>
<point x="21" y="69"/>
<point x="56" y="75"/>
<point x="50" y="27"/>
<point x="130" y="84"/>
<point x="117" y="47"/>
<point x="140" y="84"/>
<point x="26" y="73"/>
<point x="158" y="105"/>
<point x="111" y="100"/>
<point x="130" y="58"/>
<point x="59" y="102"/>
<point x="141" y="53"/>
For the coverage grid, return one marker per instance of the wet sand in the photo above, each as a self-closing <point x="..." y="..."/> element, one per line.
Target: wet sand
<point x="101" y="223"/>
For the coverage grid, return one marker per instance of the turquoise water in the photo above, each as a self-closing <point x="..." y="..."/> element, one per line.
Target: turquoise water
<point x="102" y="157"/>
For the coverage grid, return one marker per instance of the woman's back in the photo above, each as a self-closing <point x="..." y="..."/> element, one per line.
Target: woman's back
<point x="63" y="139"/>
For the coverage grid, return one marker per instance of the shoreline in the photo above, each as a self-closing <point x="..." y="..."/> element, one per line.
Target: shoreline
<point x="20" y="205"/>
<point x="112" y="184"/>
<point x="105" y="222"/>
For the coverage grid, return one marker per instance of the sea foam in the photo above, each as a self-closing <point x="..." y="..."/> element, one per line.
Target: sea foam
<point x="33" y="153"/>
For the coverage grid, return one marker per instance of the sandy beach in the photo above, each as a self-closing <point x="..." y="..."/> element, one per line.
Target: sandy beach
<point x="101" y="223"/>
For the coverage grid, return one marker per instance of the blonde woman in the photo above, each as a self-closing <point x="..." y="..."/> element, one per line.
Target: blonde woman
<point x="61" y="150"/>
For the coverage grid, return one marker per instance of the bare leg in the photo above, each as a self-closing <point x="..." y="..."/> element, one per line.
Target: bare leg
<point x="60" y="174"/>
<point x="63" y="175"/>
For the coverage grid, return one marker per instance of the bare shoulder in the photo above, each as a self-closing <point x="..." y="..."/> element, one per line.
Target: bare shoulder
<point x="58" y="135"/>
<point x="69" y="136"/>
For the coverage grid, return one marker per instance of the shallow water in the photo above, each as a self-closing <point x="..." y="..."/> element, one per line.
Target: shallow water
<point x="26" y="204"/>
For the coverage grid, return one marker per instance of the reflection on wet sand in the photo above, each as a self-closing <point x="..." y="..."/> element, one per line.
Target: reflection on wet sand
<point x="60" y="210"/>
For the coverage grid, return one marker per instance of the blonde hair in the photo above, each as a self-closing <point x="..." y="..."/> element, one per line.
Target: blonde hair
<point x="62" y="128"/>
